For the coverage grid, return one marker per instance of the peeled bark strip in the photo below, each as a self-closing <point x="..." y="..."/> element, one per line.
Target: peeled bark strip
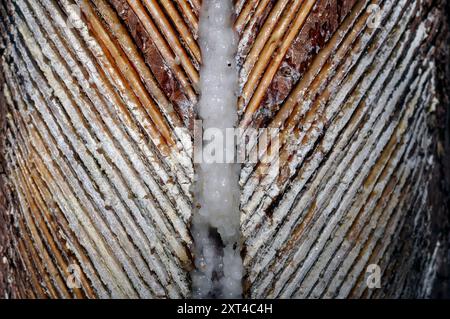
<point x="97" y="107"/>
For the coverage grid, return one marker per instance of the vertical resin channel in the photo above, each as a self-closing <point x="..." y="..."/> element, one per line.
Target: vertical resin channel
<point x="215" y="226"/>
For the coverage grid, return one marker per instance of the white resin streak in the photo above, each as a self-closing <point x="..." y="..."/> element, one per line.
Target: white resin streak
<point x="218" y="262"/>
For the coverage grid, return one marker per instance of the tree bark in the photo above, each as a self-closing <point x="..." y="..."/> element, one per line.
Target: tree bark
<point x="97" y="111"/>
<point x="356" y="96"/>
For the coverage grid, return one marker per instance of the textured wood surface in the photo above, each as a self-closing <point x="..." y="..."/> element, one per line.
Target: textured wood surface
<point x="100" y="175"/>
<point x="97" y="109"/>
<point x="353" y="105"/>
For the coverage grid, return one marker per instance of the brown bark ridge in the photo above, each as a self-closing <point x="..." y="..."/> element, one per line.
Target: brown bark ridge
<point x="97" y="108"/>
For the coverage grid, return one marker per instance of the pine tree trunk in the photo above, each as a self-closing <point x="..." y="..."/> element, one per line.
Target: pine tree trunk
<point x="98" y="102"/>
